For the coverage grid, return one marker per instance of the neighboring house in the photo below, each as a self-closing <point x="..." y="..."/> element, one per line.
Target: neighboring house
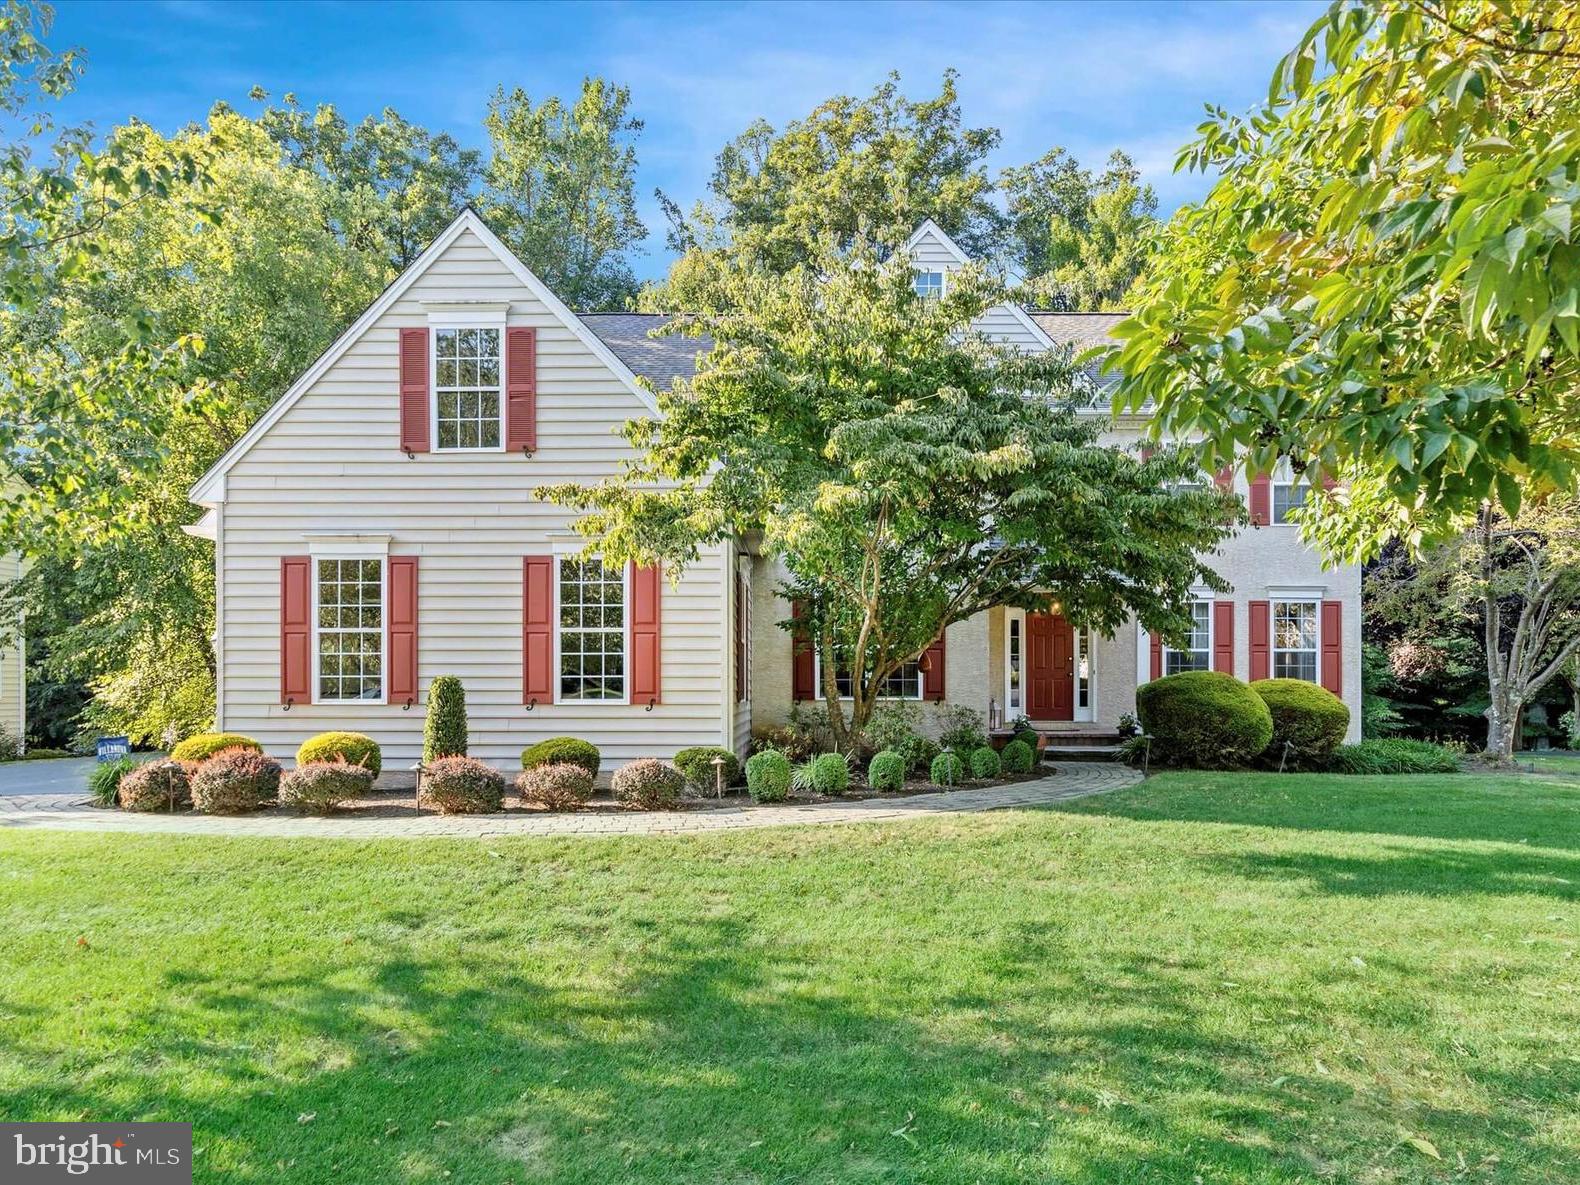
<point x="13" y="663"/>
<point x="377" y="528"/>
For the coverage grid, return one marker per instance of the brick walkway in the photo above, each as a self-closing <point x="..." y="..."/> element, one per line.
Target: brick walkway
<point x="66" y="812"/>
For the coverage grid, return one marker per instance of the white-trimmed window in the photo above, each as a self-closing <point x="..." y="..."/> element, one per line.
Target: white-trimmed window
<point x="928" y="285"/>
<point x="468" y="392"/>
<point x="1288" y="496"/>
<point x="1197" y="654"/>
<point x="592" y="624"/>
<point x="348" y="629"/>
<point x="1014" y="664"/>
<point x="1295" y="640"/>
<point x="907" y="682"/>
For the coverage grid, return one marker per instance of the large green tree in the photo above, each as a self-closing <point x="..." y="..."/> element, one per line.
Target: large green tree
<point x="1081" y="241"/>
<point x="1384" y="281"/>
<point x="858" y="172"/>
<point x="909" y="472"/>
<point x="560" y="190"/>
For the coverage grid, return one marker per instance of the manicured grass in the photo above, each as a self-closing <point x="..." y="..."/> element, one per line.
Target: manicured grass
<point x="1213" y="977"/>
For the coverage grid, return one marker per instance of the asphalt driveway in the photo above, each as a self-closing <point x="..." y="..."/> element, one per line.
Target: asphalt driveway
<point x="61" y="775"/>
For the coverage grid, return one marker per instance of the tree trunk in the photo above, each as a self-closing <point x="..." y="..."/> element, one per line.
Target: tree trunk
<point x="1503" y="716"/>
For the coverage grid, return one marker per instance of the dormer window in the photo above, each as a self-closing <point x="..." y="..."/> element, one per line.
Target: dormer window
<point x="929" y="285"/>
<point x="467" y="390"/>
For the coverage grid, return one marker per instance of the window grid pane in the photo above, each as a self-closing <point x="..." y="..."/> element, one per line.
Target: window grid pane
<point x="350" y="630"/>
<point x="929" y="284"/>
<point x="1198" y="655"/>
<point x="592" y="631"/>
<point x="466" y="387"/>
<point x="904" y="683"/>
<point x="1287" y="496"/>
<point x="1295" y="640"/>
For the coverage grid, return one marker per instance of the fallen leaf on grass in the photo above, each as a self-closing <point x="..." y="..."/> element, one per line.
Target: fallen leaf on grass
<point x="307" y="1117"/>
<point x="1424" y="1147"/>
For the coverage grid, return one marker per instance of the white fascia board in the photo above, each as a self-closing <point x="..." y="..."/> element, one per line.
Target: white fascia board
<point x="929" y="227"/>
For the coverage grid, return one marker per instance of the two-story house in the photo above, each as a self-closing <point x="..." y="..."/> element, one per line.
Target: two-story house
<point x="377" y="527"/>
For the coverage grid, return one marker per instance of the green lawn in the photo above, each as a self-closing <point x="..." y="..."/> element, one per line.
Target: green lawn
<point x="1210" y="977"/>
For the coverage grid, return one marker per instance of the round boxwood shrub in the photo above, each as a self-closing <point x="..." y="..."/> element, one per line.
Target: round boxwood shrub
<point x="235" y="781"/>
<point x="462" y="786"/>
<point x="342" y="746"/>
<point x="444" y="731"/>
<point x="649" y="784"/>
<point x="320" y="786"/>
<point x="768" y="776"/>
<point x="830" y="774"/>
<point x="156" y="786"/>
<point x="985" y="763"/>
<point x="1018" y="757"/>
<point x="203" y="745"/>
<point x="697" y="766"/>
<point x="1028" y="737"/>
<point x="947" y="769"/>
<point x="1204" y="720"/>
<point x="886" y="771"/>
<point x="558" y="749"/>
<point x="562" y="786"/>
<point x="1309" y="718"/>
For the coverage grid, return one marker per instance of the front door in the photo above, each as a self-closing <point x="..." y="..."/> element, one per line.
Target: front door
<point x="1050" y="667"/>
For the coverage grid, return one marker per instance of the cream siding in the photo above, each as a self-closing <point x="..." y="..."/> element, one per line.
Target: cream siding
<point x="13" y="695"/>
<point x="930" y="253"/>
<point x="332" y="463"/>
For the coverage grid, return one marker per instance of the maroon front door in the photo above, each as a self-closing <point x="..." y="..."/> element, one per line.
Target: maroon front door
<point x="1050" y="667"/>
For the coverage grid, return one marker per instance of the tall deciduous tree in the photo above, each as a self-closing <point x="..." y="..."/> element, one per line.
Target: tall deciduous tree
<point x="1517" y="581"/>
<point x="909" y="472"/>
<point x="856" y="172"/>
<point x="1081" y="241"/>
<point x="1385" y="279"/>
<point x="560" y="190"/>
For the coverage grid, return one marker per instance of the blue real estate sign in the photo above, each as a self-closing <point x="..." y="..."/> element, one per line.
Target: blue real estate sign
<point x="112" y="747"/>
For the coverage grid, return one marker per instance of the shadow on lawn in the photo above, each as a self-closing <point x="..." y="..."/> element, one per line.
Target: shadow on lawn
<point x="1402" y="870"/>
<point x="1521" y="809"/>
<point x="715" y="1058"/>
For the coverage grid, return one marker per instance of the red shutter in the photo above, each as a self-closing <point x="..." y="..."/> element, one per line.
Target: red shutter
<point x="537" y="629"/>
<point x="1261" y="639"/>
<point x="647" y="644"/>
<point x="1261" y="501"/>
<point x="414" y="390"/>
<point x="802" y="677"/>
<point x="1225" y="477"/>
<point x="296" y="629"/>
<point x="1333" y="646"/>
<point x="1156" y="646"/>
<point x="1223" y="636"/>
<point x="521" y="389"/>
<point x="400" y="680"/>
<point x="933" y="667"/>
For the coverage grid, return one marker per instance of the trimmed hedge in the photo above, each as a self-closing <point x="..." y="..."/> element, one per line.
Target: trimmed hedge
<point x="768" y="776"/>
<point x="344" y="746"/>
<point x="1394" y="755"/>
<point x="558" y="749"/>
<point x="156" y="786"/>
<point x="1204" y="720"/>
<point x="1018" y="757"/>
<point x="320" y="786"/>
<point x="1310" y="719"/>
<point x="562" y="786"/>
<point x="986" y="763"/>
<point x="830" y="774"/>
<point x="444" y="730"/>
<point x="1028" y="737"/>
<point x="697" y="766"/>
<point x="947" y="769"/>
<point x="648" y="783"/>
<point x="462" y="786"/>
<point x="886" y="771"/>
<point x="203" y="745"/>
<point x="235" y="781"/>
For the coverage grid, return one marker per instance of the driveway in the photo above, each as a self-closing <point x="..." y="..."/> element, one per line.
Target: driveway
<point x="62" y="775"/>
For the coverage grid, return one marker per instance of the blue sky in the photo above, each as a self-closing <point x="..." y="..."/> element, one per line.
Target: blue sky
<point x="1089" y="76"/>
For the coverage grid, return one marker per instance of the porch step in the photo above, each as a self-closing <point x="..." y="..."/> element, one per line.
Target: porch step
<point x="1075" y="740"/>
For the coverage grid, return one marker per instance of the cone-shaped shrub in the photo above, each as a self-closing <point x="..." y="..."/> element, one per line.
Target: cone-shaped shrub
<point x="444" y="731"/>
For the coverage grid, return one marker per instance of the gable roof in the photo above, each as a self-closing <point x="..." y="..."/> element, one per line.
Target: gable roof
<point x="210" y="488"/>
<point x="661" y="359"/>
<point x="929" y="228"/>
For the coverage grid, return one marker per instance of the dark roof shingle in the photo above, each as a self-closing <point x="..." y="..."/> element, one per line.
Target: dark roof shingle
<point x="660" y="360"/>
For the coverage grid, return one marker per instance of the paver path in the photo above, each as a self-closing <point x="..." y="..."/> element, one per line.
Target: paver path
<point x="72" y="812"/>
